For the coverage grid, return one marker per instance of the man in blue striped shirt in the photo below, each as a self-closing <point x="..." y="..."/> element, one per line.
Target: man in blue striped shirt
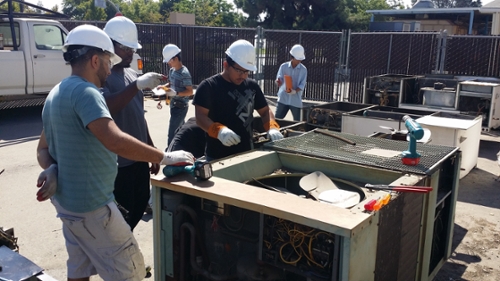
<point x="290" y="97"/>
<point x="78" y="148"/>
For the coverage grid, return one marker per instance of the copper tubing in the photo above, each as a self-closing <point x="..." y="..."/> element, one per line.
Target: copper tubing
<point x="192" y="257"/>
<point x="194" y="220"/>
<point x="326" y="133"/>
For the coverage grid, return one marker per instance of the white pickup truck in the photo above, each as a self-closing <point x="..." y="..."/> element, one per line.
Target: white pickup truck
<point x="29" y="70"/>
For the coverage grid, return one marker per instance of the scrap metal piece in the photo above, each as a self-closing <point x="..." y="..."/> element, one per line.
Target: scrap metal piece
<point x="8" y="239"/>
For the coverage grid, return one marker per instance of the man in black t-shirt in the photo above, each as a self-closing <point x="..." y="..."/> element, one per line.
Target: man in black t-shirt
<point x="189" y="137"/>
<point x="225" y="103"/>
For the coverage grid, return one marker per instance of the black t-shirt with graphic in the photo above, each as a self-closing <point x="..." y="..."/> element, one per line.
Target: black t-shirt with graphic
<point x="231" y="105"/>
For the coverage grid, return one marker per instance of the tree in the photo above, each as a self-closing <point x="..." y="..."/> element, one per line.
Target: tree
<point x="456" y="3"/>
<point x="210" y="12"/>
<point x="359" y="20"/>
<point x="83" y="10"/>
<point x="310" y="14"/>
<point x="142" y="11"/>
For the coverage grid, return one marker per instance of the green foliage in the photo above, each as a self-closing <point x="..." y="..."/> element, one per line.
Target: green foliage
<point x="358" y="19"/>
<point x="210" y="12"/>
<point x="456" y="3"/>
<point x="26" y="8"/>
<point x="207" y="12"/>
<point x="311" y="14"/>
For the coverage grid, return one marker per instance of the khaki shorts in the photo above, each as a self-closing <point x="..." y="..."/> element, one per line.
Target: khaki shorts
<point x="100" y="242"/>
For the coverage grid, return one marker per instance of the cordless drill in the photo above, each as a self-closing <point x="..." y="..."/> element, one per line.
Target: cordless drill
<point x="201" y="170"/>
<point x="411" y="157"/>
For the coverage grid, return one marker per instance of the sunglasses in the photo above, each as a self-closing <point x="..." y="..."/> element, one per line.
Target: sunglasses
<point x="125" y="48"/>
<point x="240" y="71"/>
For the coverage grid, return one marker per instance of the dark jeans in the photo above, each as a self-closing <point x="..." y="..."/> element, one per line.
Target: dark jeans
<point x="132" y="191"/>
<point x="178" y="111"/>
<point x="282" y="110"/>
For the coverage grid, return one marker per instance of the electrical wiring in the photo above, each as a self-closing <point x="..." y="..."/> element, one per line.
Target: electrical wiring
<point x="238" y="228"/>
<point x="300" y="239"/>
<point x="283" y="259"/>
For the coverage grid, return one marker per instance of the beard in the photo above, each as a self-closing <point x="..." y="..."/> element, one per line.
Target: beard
<point x="102" y="74"/>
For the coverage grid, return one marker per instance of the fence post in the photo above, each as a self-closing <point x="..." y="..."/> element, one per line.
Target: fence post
<point x="180" y="37"/>
<point x="259" y="75"/>
<point x="389" y="55"/>
<point x="443" y="52"/>
<point x="341" y="73"/>
<point x="438" y="51"/>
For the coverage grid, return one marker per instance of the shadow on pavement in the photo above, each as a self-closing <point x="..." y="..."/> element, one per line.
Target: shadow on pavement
<point x="452" y="270"/>
<point x="20" y="125"/>
<point x="481" y="188"/>
<point x="488" y="149"/>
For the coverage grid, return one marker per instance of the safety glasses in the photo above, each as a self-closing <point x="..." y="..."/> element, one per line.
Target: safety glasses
<point x="125" y="48"/>
<point x="240" y="71"/>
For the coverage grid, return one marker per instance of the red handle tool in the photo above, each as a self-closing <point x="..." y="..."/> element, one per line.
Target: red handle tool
<point x="400" y="188"/>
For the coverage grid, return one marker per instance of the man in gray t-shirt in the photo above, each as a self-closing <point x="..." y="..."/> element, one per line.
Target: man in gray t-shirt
<point x="182" y="85"/>
<point x="126" y="104"/>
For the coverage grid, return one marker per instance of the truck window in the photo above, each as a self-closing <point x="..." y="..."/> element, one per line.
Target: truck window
<point x="7" y="35"/>
<point x="48" y="37"/>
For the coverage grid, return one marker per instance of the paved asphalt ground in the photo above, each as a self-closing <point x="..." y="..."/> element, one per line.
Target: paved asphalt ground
<point x="39" y="231"/>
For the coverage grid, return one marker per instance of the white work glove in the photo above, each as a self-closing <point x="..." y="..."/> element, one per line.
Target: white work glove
<point x="171" y="93"/>
<point x="228" y="137"/>
<point x="177" y="158"/>
<point x="47" y="180"/>
<point x="274" y="134"/>
<point x="149" y="80"/>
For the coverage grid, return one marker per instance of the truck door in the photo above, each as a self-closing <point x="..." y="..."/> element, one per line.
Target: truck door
<point x="49" y="67"/>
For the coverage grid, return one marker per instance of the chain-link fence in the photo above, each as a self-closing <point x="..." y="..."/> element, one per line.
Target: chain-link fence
<point x="396" y="53"/>
<point x="337" y="62"/>
<point x="472" y="55"/>
<point x="322" y="56"/>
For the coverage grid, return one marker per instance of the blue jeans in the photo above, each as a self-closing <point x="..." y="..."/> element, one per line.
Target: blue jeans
<point x="282" y="110"/>
<point x="178" y="110"/>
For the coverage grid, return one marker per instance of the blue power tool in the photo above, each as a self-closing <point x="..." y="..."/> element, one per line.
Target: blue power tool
<point x="201" y="170"/>
<point x="411" y="157"/>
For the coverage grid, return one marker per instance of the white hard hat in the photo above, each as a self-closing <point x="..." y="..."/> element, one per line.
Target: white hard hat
<point x="170" y="51"/>
<point x="123" y="30"/>
<point x="297" y="52"/>
<point x="92" y="36"/>
<point x="243" y="53"/>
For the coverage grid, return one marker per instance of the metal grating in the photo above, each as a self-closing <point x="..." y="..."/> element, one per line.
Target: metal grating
<point x="22" y="103"/>
<point x="322" y="146"/>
